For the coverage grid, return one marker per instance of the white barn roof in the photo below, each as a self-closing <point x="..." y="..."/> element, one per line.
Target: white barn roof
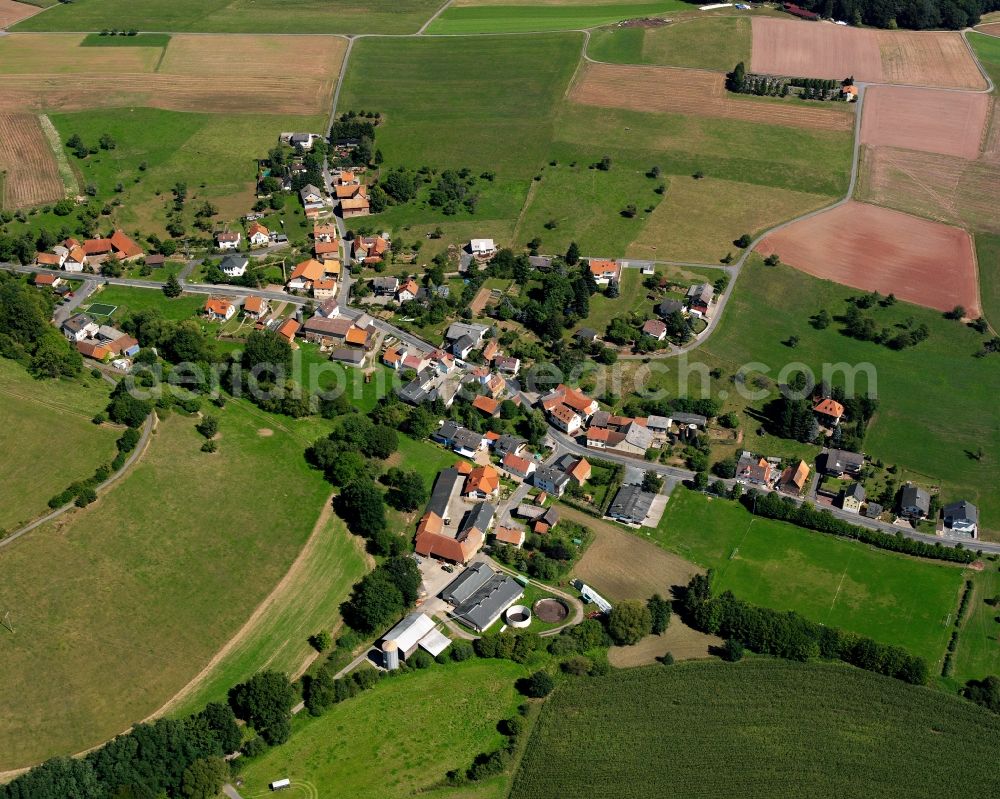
<point x="410" y="630"/>
<point x="435" y="642"/>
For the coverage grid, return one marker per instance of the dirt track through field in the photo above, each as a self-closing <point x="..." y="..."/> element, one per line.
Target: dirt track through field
<point x="877" y="249"/>
<point x="32" y="174"/>
<point x="688" y="91"/>
<point x="823" y="50"/>
<point x="934" y="121"/>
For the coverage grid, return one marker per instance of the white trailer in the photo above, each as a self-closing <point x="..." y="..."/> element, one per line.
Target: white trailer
<point x="278" y="785"/>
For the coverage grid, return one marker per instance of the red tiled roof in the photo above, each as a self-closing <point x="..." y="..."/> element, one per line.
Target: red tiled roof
<point x="254" y="304"/>
<point x="829" y="407"/>
<point x="483" y="478"/>
<point x="97" y="246"/>
<point x="447" y="548"/>
<point x="48" y="259"/>
<point x="289" y="328"/>
<point x="510" y="535"/>
<point x="45" y="280"/>
<point x="485" y="404"/>
<point x="516" y="463"/>
<point x="124" y="245"/>
<point x="310" y="269"/>
<point x="218" y="307"/>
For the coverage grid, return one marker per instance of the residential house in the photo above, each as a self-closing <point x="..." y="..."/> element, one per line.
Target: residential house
<point x="669" y="307"/>
<point x="491" y="350"/>
<point x="753" y="469"/>
<point x="324" y="289"/>
<point x="631" y="505"/>
<point x="461" y="348"/>
<point x="358" y="336"/>
<point x="654" y="328"/>
<point x="255" y="307"/>
<point x="508" y="444"/>
<point x="482" y="249"/>
<point x="234" y="265"/>
<point x="518" y="466"/>
<point x="325" y="233"/>
<point x="605" y="271"/>
<point x="486" y="405"/>
<point x="312" y="198"/>
<point x="79" y="327"/>
<point x="699" y="298"/>
<point x="219" y="309"/>
<point x="305" y="274"/>
<point x="355" y="206"/>
<point x="566" y="419"/>
<point x="227" y="240"/>
<point x="580" y="471"/>
<point x="849" y="93"/>
<point x="511" y="536"/>
<point x="468" y="442"/>
<point x="369" y="249"/>
<point x="852" y="498"/>
<point x="51" y="260"/>
<point x="872" y="510"/>
<point x="829" y="412"/>
<point x="585" y="335"/>
<point x="914" y="503"/>
<point x="288" y="329"/>
<point x="794" y="478"/>
<point x="507" y="364"/>
<point x="459" y="330"/>
<point x="48" y="281"/>
<point x="327" y="251"/>
<point x="329" y="309"/>
<point x="483" y="482"/>
<point x="76" y="259"/>
<point x="385" y="286"/>
<point x="407" y="291"/>
<point x="393" y="357"/>
<point x="838" y="462"/>
<point x="551" y="480"/>
<point x="258" y="235"/>
<point x="961" y="518"/>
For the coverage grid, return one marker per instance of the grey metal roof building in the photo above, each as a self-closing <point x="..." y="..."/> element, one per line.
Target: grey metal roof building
<point x="690" y="418"/>
<point x="839" y="461"/>
<point x="482" y="605"/>
<point x="444" y="485"/>
<point x="668" y="307"/>
<point x="508" y="443"/>
<point x="467" y="583"/>
<point x="480" y="517"/>
<point x="468" y="439"/>
<point x="631" y="504"/>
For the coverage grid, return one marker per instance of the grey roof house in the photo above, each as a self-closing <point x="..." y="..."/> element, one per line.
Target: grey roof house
<point x="914" y="502"/>
<point x="631" y="504"/>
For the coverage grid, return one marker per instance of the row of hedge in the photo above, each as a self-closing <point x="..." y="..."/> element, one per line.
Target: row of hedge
<point x="789" y="635"/>
<point x="963" y="608"/>
<point x="83" y="492"/>
<point x="773" y="506"/>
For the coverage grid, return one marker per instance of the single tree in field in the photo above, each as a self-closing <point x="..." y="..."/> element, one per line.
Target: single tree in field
<point x="172" y="288"/>
<point x="629" y="622"/>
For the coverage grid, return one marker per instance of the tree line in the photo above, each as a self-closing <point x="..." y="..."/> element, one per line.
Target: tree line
<point x="913" y="14"/>
<point x="789" y="635"/>
<point x="26" y="335"/>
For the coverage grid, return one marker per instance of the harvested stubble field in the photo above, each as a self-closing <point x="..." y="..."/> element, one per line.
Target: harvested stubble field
<point x="990" y="28"/>
<point x="231" y="74"/>
<point x="761" y="728"/>
<point x="876" y="249"/>
<point x="956" y="191"/>
<point x="789" y="47"/>
<point x="991" y="142"/>
<point x="949" y="123"/>
<point x="684" y="91"/>
<point x="11" y="12"/>
<point x="31" y="174"/>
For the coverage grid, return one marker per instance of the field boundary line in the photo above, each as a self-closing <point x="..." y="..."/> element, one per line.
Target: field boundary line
<point x="251" y="623"/>
<point x="70" y="184"/>
<point x="434" y="16"/>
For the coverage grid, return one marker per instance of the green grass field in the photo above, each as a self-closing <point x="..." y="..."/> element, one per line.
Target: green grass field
<point x="141" y="40"/>
<point x="988" y="255"/>
<point x="310" y="603"/>
<point x="978" y="652"/>
<point x="891" y="598"/>
<point x="524" y="18"/>
<point x="33" y="415"/>
<point x="760" y="728"/>
<point x="501" y="95"/>
<point x="122" y="604"/>
<point x="239" y="16"/>
<point x="923" y="426"/>
<point x="715" y="43"/>
<point x="399" y="738"/>
<point x="214" y="154"/>
<point x="128" y="300"/>
<point x="987" y="50"/>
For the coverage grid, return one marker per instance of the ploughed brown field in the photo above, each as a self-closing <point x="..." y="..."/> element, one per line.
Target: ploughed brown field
<point x="695" y="92"/>
<point x="824" y="50"/>
<point x="957" y="191"/>
<point x="877" y="249"/>
<point x="214" y="74"/>
<point x="32" y="175"/>
<point x="11" y="12"/>
<point x="948" y="123"/>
